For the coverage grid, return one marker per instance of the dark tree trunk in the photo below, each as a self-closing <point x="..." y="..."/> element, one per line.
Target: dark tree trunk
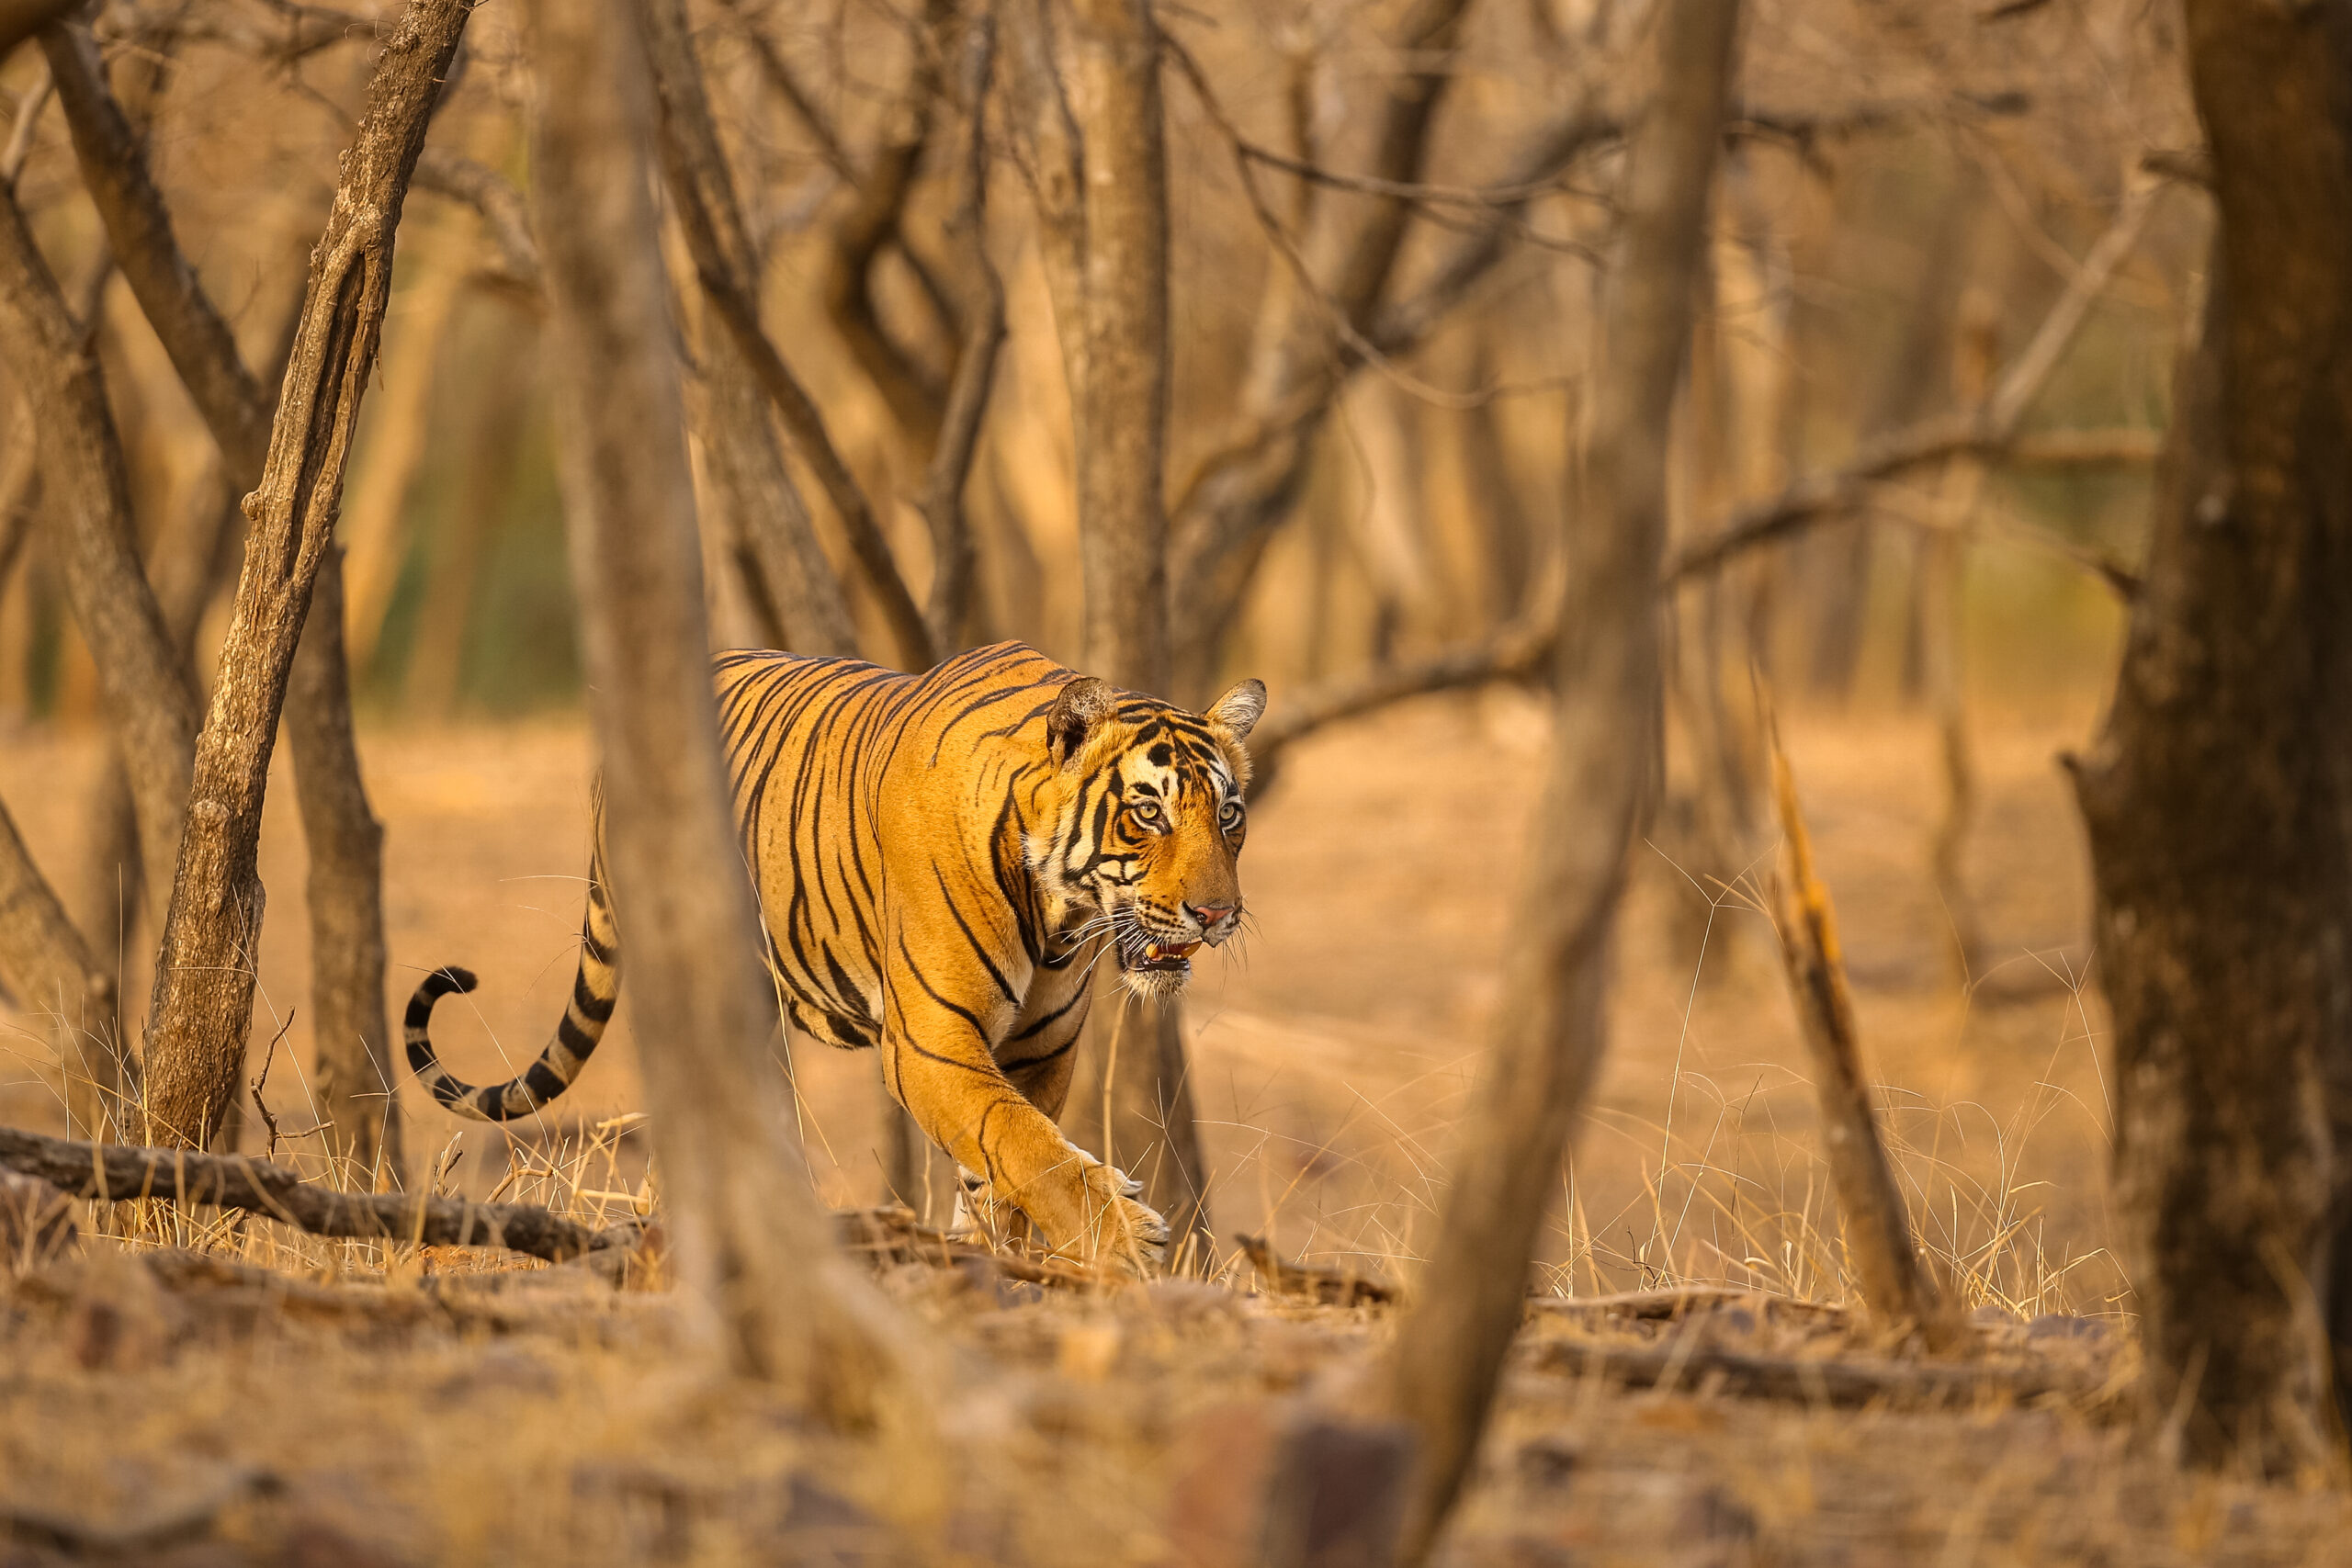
<point x="750" y="1242"/>
<point x="1449" y="1347"/>
<point x="2219" y="796"/>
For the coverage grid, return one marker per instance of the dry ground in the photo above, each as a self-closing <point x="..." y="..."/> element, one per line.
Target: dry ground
<point x="549" y="1420"/>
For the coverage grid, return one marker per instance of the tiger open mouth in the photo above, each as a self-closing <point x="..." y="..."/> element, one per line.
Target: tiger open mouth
<point x="1165" y="957"/>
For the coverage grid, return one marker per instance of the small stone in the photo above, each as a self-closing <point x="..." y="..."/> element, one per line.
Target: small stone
<point x="2062" y="1325"/>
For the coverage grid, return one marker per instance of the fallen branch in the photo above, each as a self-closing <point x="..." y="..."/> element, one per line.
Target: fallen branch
<point x="114" y="1173"/>
<point x="1319" y="1282"/>
<point x="1652" y="1306"/>
<point x="1846" y="1382"/>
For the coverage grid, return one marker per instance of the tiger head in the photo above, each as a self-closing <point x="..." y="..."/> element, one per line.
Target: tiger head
<point x="1141" y="831"/>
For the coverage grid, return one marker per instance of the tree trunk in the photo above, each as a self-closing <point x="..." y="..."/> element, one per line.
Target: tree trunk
<point x="356" y="1080"/>
<point x="95" y="547"/>
<point x="2219" y="795"/>
<point x="1450" y="1346"/>
<point x="204" y="975"/>
<point x="751" y="1243"/>
<point x="1096" y="117"/>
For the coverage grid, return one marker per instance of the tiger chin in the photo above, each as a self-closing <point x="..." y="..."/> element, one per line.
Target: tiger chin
<point x="944" y="862"/>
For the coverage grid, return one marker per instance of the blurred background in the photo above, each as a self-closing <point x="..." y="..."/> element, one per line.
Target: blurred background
<point x="1376" y="416"/>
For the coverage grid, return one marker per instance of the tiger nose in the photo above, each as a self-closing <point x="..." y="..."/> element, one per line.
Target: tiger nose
<point x="1209" y="914"/>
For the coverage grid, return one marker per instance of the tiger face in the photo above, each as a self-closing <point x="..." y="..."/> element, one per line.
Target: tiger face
<point x="1141" y="849"/>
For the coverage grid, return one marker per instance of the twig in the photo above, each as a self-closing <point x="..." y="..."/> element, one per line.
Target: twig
<point x="893" y="1235"/>
<point x="30" y="105"/>
<point x="262" y="1079"/>
<point x="492" y="195"/>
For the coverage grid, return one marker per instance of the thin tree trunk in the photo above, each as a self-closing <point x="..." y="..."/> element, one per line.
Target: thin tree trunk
<point x="1449" y="1347"/>
<point x="751" y="1243"/>
<point x="204" y="976"/>
<point x="356" y="1081"/>
<point x="1942" y="640"/>
<point x="2219" y="795"/>
<point x="94" y="545"/>
<point x="1096" y="124"/>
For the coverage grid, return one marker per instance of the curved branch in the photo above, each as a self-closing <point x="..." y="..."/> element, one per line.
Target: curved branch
<point x="1518" y="653"/>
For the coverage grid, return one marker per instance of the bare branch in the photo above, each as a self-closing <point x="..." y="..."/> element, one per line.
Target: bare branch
<point x="1516" y="653"/>
<point x="48" y="967"/>
<point x="702" y="194"/>
<point x="1988" y="432"/>
<point x="20" y="135"/>
<point x="492" y="195"/>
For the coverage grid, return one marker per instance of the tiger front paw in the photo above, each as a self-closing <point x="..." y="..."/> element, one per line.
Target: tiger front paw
<point x="1120" y="1230"/>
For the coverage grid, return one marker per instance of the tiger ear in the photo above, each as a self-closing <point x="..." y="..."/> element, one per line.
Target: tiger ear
<point x="1084" y="704"/>
<point x="1238" y="712"/>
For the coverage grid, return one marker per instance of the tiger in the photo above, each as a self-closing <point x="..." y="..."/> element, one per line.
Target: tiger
<point x="942" y="861"/>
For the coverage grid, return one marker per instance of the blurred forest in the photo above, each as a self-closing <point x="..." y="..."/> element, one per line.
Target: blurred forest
<point x="1907" y="189"/>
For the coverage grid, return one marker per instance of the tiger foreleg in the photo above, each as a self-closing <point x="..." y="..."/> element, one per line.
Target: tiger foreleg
<point x="1020" y="1174"/>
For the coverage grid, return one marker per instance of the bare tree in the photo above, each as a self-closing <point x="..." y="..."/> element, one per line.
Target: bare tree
<point x="345" y="889"/>
<point x="2219" y="795"/>
<point x="751" y="1240"/>
<point x="204" y="975"/>
<point x="1449" y="1347"/>
<point x="1089" y="74"/>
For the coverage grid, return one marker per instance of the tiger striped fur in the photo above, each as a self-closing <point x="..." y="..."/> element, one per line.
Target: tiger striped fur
<point x="942" y="861"/>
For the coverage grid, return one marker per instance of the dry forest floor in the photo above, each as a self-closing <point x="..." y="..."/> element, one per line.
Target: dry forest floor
<point x="195" y="1390"/>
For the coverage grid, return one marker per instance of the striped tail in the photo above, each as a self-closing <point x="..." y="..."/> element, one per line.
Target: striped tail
<point x="596" y="987"/>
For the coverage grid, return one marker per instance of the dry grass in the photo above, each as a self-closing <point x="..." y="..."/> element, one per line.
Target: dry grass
<point x="450" y="1418"/>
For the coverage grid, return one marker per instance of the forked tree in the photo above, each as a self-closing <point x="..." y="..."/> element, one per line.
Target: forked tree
<point x="2219" y="795"/>
<point x="1606" y="713"/>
